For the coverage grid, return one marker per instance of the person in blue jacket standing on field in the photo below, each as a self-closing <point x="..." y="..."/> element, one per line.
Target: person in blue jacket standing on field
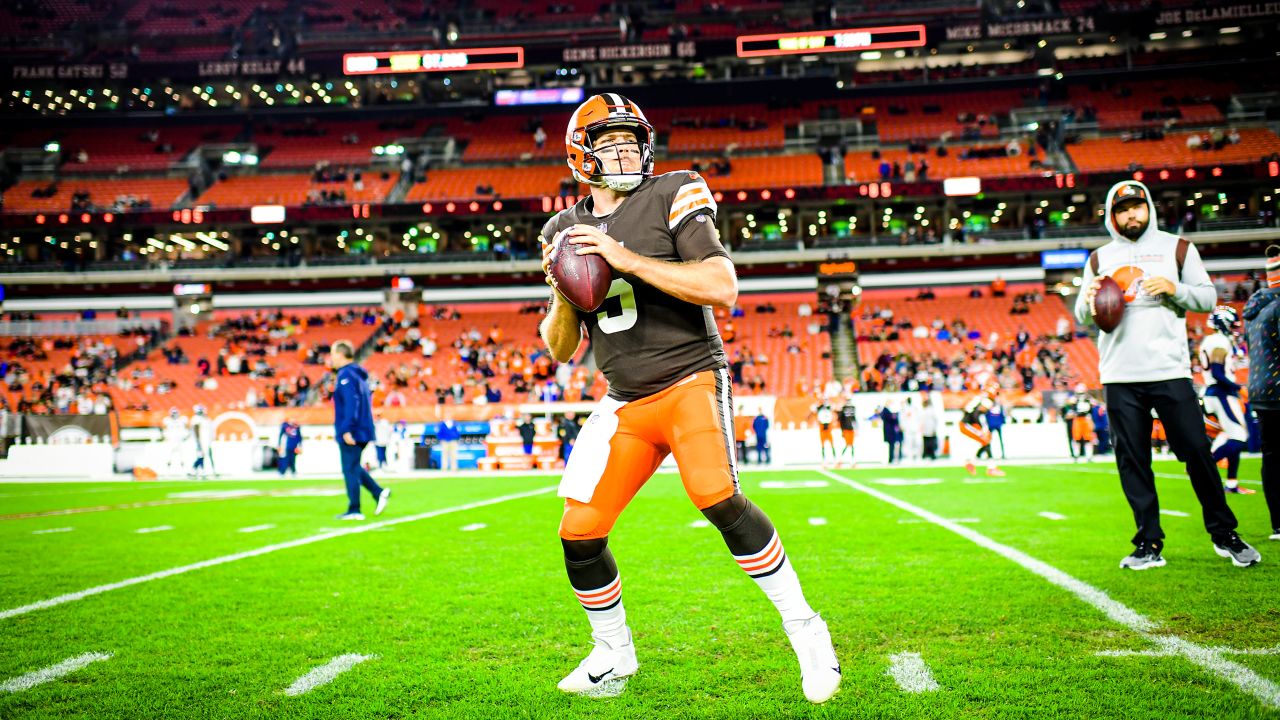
<point x="289" y="445"/>
<point x="353" y="427"/>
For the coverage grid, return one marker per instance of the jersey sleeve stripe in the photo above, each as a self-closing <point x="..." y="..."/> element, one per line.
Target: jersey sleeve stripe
<point x="685" y="208"/>
<point x="688" y="209"/>
<point x="691" y="189"/>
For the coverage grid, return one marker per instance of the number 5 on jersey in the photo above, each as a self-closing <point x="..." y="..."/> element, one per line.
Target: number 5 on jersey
<point x="626" y="318"/>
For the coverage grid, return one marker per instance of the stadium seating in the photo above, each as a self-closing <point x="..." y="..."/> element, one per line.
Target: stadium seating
<point x="339" y="143"/>
<point x="1112" y="154"/>
<point x="862" y="167"/>
<point x="513" y="182"/>
<point x="159" y="193"/>
<point x="231" y="390"/>
<point x="290" y="190"/>
<point x="112" y="149"/>
<point x="984" y="315"/>
<point x="1138" y="104"/>
<point x="759" y="171"/>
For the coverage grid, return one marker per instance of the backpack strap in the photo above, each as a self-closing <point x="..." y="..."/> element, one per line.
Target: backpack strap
<point x="1093" y="262"/>
<point x="1183" y="245"/>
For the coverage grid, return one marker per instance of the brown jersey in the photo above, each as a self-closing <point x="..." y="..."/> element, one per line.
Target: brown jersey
<point x="645" y="340"/>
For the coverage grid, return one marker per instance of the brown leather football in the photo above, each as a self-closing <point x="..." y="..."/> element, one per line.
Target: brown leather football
<point x="583" y="279"/>
<point x="1108" y="305"/>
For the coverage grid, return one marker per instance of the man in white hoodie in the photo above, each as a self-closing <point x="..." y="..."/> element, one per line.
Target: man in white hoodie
<point x="1145" y="365"/>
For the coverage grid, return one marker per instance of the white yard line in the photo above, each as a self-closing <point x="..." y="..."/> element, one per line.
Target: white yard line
<point x="1052" y="515"/>
<point x="1208" y="658"/>
<point x="700" y="524"/>
<point x="48" y="531"/>
<point x="1274" y="650"/>
<point x="1174" y="513"/>
<point x="792" y="484"/>
<point x="156" y="529"/>
<point x="325" y="674"/>
<point x="911" y="673"/>
<point x="473" y="527"/>
<point x="1113" y="473"/>
<point x="817" y="521"/>
<point x="99" y="589"/>
<point x="255" y="528"/>
<point x="51" y="673"/>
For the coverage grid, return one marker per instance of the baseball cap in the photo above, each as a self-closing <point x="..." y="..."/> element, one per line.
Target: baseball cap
<point x="1128" y="194"/>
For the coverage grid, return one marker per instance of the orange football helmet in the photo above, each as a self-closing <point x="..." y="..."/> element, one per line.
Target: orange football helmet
<point x="595" y="116"/>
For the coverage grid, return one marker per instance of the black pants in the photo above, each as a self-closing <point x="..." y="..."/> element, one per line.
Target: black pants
<point x="1269" y="425"/>
<point x="355" y="475"/>
<point x="930" y="447"/>
<point x="1175" y="402"/>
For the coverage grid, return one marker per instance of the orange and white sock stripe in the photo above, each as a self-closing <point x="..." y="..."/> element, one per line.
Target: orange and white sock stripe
<point x="764" y="563"/>
<point x="601" y="598"/>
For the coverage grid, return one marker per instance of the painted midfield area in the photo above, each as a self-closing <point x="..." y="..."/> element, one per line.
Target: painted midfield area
<point x="944" y="599"/>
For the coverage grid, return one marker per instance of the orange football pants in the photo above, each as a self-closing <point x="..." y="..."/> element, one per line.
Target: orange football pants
<point x="976" y="432"/>
<point x="692" y="420"/>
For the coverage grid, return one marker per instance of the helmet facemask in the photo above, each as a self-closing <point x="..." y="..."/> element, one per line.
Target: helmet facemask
<point x="609" y="158"/>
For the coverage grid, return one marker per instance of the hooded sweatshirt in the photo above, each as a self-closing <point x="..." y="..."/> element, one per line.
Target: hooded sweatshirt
<point x="1262" y="326"/>
<point x="352" y="404"/>
<point x="1150" y="344"/>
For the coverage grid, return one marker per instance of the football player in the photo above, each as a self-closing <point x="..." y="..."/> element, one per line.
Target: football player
<point x="1220" y="356"/>
<point x="656" y="341"/>
<point x="848" y="428"/>
<point x="826" y="418"/>
<point x="971" y="426"/>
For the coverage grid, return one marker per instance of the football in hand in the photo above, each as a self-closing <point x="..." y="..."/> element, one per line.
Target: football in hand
<point x="583" y="279"/>
<point x="1108" y="305"/>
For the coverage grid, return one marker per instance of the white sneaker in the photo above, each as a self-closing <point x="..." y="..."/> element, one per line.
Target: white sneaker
<point x="382" y="501"/>
<point x="819" y="668"/>
<point x="604" y="672"/>
<point x="351" y="516"/>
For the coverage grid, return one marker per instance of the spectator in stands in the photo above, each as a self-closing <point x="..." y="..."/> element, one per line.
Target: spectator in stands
<point x="539" y="137"/>
<point x="353" y="426"/>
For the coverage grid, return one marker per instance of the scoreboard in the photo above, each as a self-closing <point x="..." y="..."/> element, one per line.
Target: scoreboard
<point x="828" y="41"/>
<point x="417" y="61"/>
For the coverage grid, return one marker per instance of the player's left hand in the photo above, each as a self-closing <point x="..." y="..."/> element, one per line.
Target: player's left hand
<point x="1157" y="286"/>
<point x="348" y="438"/>
<point x="591" y="241"/>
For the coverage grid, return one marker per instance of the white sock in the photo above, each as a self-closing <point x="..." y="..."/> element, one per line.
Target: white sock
<point x="1233" y="484"/>
<point x="772" y="571"/>
<point x="606" y="614"/>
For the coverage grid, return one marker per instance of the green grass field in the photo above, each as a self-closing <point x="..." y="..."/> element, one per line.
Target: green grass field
<point x="481" y="623"/>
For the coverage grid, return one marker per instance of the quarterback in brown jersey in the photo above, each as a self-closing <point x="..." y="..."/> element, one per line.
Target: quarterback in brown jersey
<point x="656" y="341"/>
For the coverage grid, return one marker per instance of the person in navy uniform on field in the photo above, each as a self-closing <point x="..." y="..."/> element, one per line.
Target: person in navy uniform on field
<point x="353" y="427"/>
<point x="760" y="426"/>
<point x="289" y="442"/>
